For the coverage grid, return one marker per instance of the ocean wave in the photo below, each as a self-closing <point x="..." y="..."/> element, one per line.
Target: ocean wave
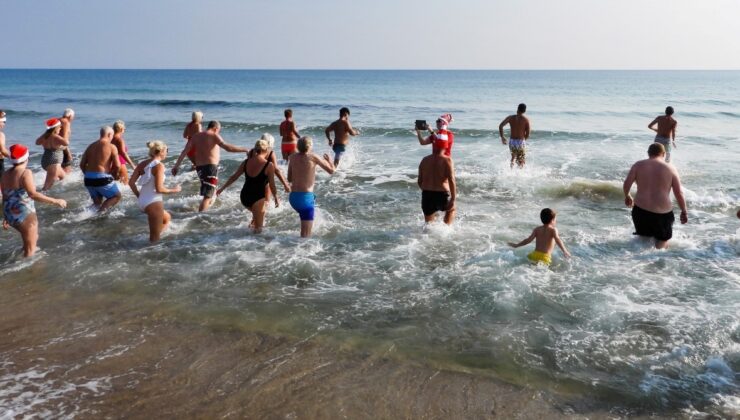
<point x="591" y="190"/>
<point x="204" y="103"/>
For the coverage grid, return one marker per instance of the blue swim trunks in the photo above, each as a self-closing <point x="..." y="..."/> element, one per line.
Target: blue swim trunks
<point x="100" y="184"/>
<point x="339" y="150"/>
<point x="303" y="203"/>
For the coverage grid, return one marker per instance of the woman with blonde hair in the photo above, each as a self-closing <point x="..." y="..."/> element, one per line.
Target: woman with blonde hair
<point x="54" y="146"/>
<point x="119" y="127"/>
<point x="258" y="172"/>
<point x="151" y="172"/>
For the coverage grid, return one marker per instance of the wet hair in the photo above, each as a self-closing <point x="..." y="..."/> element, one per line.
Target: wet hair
<point x="104" y="130"/>
<point x="305" y="143"/>
<point x="656" y="149"/>
<point x="288" y="113"/>
<point x="214" y="124"/>
<point x="344" y="111"/>
<point x="69" y="112"/>
<point x="156" y="147"/>
<point x="546" y="215"/>
<point x="197" y="116"/>
<point x="268" y="138"/>
<point x="261" y="146"/>
<point x="521" y="109"/>
<point x="669" y="110"/>
<point x="118" y="126"/>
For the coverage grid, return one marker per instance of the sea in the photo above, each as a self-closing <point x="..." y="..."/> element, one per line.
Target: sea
<point x="631" y="329"/>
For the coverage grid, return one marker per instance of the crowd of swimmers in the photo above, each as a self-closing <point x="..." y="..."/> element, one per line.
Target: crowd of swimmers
<point x="105" y="161"/>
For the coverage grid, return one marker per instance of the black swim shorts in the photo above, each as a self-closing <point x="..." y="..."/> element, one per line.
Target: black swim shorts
<point x="655" y="225"/>
<point x="208" y="175"/>
<point x="434" y="201"/>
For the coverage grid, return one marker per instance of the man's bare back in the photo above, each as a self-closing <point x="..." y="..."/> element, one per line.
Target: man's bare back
<point x="545" y="236"/>
<point x="435" y="171"/>
<point x="654" y="179"/>
<point x="342" y="130"/>
<point x="206" y="145"/>
<point x="302" y="170"/>
<point x="519" y="125"/>
<point x="288" y="131"/>
<point x="101" y="156"/>
<point x="666" y="126"/>
<point x="192" y="129"/>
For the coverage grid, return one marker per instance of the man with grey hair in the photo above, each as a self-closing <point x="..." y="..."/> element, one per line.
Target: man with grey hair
<point x="101" y="167"/>
<point x="301" y="176"/>
<point x="66" y="132"/>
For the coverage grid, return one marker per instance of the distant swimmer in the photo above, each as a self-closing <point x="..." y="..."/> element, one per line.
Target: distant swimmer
<point x="547" y="236"/>
<point x="259" y="172"/>
<point x="150" y="174"/>
<point x="302" y="176"/>
<point x="119" y="127"/>
<point x="437" y="183"/>
<point x="665" y="133"/>
<point x="101" y="168"/>
<point x="207" y="145"/>
<point x="67" y="117"/>
<point x="652" y="209"/>
<point x="54" y="145"/>
<point x="4" y="152"/>
<point x="342" y="129"/>
<point x="443" y="138"/>
<point x="289" y="133"/>
<point x="194" y="127"/>
<point x="19" y="194"/>
<point x="519" y="135"/>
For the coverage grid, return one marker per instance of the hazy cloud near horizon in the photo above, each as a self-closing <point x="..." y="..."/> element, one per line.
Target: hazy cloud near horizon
<point x="380" y="34"/>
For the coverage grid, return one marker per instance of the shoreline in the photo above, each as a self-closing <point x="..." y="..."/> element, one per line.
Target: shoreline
<point x="135" y="359"/>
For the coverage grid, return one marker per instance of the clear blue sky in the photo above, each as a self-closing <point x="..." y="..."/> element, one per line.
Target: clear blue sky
<point x="384" y="34"/>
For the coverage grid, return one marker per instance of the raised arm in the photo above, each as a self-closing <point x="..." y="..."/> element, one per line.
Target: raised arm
<point x="652" y="125"/>
<point x="524" y="242"/>
<point x="230" y="147"/>
<point x="279" y="173"/>
<point x="135" y="177"/>
<point x="325" y="163"/>
<point x="270" y="171"/>
<point x="27" y="182"/>
<point x="328" y="131"/>
<point x="627" y="186"/>
<point x="561" y="245"/>
<point x="184" y="153"/>
<point x="239" y="171"/>
<point x="678" y="193"/>
<point x="501" y="129"/>
<point x="424" y="140"/>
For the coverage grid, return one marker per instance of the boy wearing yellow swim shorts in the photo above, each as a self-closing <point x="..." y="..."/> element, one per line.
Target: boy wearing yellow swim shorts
<point x="547" y="236"/>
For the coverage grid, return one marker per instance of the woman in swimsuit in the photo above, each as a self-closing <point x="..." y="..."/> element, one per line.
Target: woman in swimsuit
<point x="151" y="172"/>
<point x="19" y="194"/>
<point x="54" y="145"/>
<point x="258" y="172"/>
<point x="272" y="158"/>
<point x="119" y="127"/>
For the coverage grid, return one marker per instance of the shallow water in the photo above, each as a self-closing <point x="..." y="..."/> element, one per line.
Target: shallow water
<point x="634" y="328"/>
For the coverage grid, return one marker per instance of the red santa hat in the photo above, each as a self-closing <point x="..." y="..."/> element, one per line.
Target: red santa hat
<point x="444" y="120"/>
<point x="18" y="154"/>
<point x="52" y="123"/>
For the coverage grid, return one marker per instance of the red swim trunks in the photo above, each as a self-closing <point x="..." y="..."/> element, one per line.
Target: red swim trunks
<point x="288" y="148"/>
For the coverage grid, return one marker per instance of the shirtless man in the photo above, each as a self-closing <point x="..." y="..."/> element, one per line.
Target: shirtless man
<point x="289" y="133"/>
<point x="195" y="126"/>
<point x="652" y="209"/>
<point x="665" y="134"/>
<point x="3" y="150"/>
<point x="302" y="175"/>
<point x="342" y="130"/>
<point x="101" y="167"/>
<point x="519" y="125"/>
<point x="207" y="146"/>
<point x="437" y="183"/>
<point x="66" y="132"/>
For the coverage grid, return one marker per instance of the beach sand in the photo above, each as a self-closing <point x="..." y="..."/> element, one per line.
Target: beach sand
<point x="135" y="360"/>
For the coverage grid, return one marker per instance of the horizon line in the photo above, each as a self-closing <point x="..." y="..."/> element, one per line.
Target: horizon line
<point x="357" y="69"/>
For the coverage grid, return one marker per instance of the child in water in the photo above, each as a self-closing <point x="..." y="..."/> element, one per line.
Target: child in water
<point x="547" y="236"/>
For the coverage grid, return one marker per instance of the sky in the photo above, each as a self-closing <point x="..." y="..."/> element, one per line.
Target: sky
<point x="377" y="34"/>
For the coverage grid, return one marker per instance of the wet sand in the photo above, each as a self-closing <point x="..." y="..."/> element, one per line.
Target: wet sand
<point x="65" y="353"/>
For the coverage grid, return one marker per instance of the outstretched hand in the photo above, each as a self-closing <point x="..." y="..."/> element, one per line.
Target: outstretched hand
<point x="327" y="158"/>
<point x="62" y="203"/>
<point x="177" y="189"/>
<point x="511" y="244"/>
<point x="174" y="171"/>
